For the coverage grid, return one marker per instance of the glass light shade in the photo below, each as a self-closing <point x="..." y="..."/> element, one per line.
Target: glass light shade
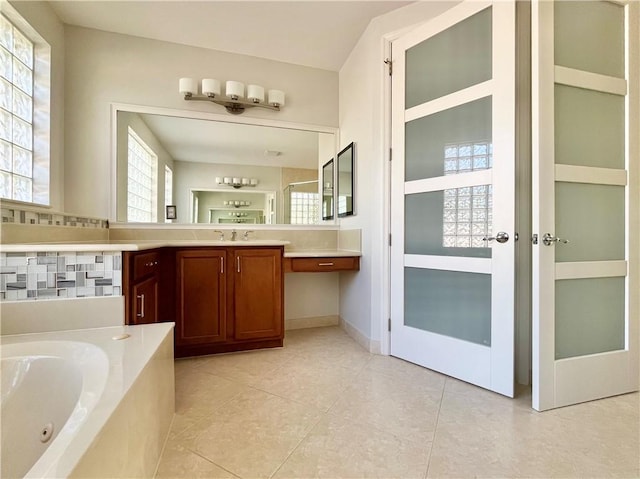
<point x="227" y="180"/>
<point x="188" y="85"/>
<point x="276" y="97"/>
<point x="236" y="181"/>
<point x="255" y="93"/>
<point x="218" y="180"/>
<point x="210" y="86"/>
<point x="234" y="88"/>
<point x="254" y="182"/>
<point x="245" y="181"/>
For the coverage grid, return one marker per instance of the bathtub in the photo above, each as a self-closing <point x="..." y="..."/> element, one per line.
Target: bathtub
<point x="86" y="403"/>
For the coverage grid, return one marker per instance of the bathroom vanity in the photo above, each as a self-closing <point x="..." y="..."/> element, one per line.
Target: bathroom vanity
<point x="222" y="297"/>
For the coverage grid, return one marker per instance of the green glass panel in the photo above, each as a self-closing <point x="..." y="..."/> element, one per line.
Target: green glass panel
<point x="451" y="303"/>
<point x="590" y="316"/>
<point x="589" y="128"/>
<point x="589" y="36"/>
<point x="449" y="223"/>
<point x="592" y="218"/>
<point x="452" y="60"/>
<point x="452" y="141"/>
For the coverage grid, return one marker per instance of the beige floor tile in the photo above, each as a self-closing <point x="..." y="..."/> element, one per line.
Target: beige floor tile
<point x="178" y="462"/>
<point x="252" y="435"/>
<point x="397" y="368"/>
<point x="245" y="366"/>
<point x="408" y="409"/>
<point x="309" y="383"/>
<point x="198" y="394"/>
<point x="336" y="448"/>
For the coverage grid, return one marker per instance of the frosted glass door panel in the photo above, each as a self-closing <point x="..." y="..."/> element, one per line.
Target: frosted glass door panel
<point x="457" y="140"/>
<point x="589" y="128"/>
<point x="590" y="316"/>
<point x="451" y="303"/>
<point x="449" y="223"/>
<point x="452" y="60"/>
<point x="589" y="36"/>
<point x="592" y="218"/>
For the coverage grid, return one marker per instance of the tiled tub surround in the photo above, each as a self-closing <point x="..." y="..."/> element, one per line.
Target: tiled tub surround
<point x="29" y="217"/>
<point x="59" y="274"/>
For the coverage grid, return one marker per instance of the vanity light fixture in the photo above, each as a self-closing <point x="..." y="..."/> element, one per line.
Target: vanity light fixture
<point x="236" y="182"/>
<point x="234" y="99"/>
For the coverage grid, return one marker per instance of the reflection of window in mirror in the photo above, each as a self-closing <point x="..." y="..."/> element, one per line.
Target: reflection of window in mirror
<point x="168" y="189"/>
<point x="346" y="181"/>
<point x="302" y="203"/>
<point x="142" y="172"/>
<point x="327" y="190"/>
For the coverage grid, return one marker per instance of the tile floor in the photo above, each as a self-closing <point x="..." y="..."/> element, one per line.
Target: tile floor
<point x="323" y="407"/>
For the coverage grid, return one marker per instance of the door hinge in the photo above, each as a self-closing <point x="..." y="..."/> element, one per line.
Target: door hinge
<point x="389" y="63"/>
<point x="389" y="325"/>
<point x="389" y="239"/>
<point x="534" y="239"/>
<point x="390" y="154"/>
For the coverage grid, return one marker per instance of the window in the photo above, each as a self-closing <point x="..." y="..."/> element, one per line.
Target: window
<point x="168" y="189"/>
<point x="467" y="211"/>
<point x="304" y="208"/>
<point x="141" y="188"/>
<point x="16" y="113"/>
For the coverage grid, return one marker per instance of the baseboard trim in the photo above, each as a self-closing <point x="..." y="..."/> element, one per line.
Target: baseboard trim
<point x="311" y="322"/>
<point x="374" y="347"/>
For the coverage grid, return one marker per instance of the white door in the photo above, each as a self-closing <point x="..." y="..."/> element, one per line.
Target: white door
<point x="452" y="194"/>
<point x="585" y="200"/>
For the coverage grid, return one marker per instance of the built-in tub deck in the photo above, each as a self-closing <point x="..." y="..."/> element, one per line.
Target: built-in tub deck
<point x="138" y="394"/>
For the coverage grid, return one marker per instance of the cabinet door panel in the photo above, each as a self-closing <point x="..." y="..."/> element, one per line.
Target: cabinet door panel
<point x="258" y="293"/>
<point x="201" y="301"/>
<point x="145" y="302"/>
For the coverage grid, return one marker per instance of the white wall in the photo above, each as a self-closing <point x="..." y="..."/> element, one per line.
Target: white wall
<point x="42" y="18"/>
<point x="362" y="99"/>
<point x="104" y="68"/>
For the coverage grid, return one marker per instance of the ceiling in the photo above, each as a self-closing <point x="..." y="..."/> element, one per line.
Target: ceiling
<point x="318" y="34"/>
<point x="202" y="141"/>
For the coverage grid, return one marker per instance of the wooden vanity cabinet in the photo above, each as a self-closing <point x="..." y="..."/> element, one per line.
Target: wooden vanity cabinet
<point x="141" y="278"/>
<point x="258" y="294"/>
<point x="201" y="306"/>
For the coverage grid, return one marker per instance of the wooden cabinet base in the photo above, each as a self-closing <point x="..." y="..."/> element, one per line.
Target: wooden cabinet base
<point x="204" y="349"/>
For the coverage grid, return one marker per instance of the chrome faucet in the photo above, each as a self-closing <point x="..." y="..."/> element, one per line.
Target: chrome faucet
<point x="221" y="234"/>
<point x="234" y="233"/>
<point x="246" y="235"/>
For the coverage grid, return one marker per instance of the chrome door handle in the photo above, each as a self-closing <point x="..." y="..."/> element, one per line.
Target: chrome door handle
<point x="548" y="239"/>
<point x="501" y="237"/>
<point x="141" y="313"/>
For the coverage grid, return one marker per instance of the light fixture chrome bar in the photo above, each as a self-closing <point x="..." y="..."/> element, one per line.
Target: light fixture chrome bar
<point x="233" y="105"/>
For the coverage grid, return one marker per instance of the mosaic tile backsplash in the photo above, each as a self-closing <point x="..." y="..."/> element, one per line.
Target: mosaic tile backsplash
<point x="27" y="217"/>
<point x="53" y="275"/>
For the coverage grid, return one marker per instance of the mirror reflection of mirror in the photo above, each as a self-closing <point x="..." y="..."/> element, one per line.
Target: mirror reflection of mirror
<point x="346" y="181"/>
<point x="169" y="160"/>
<point x="327" y="190"/>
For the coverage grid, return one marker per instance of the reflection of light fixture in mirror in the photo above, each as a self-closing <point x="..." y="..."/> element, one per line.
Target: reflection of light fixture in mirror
<point x="233" y="100"/>
<point x="236" y="203"/>
<point x="235" y="181"/>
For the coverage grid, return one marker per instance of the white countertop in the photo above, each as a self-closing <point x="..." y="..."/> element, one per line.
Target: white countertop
<point x="131" y="245"/>
<point x="328" y="253"/>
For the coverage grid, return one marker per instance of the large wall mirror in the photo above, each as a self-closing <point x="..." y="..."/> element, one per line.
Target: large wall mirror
<point x="216" y="171"/>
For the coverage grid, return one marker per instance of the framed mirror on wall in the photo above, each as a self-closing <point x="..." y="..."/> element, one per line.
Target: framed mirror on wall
<point x="212" y="169"/>
<point x="327" y="190"/>
<point x="346" y="172"/>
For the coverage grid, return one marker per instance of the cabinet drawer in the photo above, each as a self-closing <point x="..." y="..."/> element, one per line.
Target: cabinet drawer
<point x="145" y="264"/>
<point x="348" y="263"/>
